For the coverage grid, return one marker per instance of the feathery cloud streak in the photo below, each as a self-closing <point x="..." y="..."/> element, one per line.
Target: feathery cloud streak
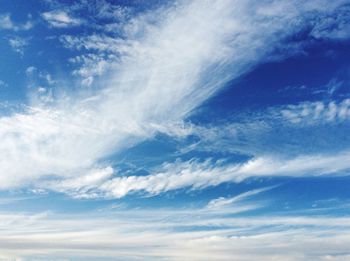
<point x="167" y="68"/>
<point x="197" y="175"/>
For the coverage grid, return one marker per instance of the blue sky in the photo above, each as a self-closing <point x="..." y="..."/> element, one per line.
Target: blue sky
<point x="174" y="130"/>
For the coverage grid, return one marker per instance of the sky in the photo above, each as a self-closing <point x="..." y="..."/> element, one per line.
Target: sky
<point x="174" y="130"/>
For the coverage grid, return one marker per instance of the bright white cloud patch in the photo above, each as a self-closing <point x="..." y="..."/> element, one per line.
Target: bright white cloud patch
<point x="60" y="19"/>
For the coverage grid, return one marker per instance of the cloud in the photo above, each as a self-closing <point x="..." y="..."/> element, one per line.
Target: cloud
<point x="196" y="175"/>
<point x="290" y="129"/>
<point x="334" y="26"/>
<point x="60" y="19"/>
<point x="87" y="81"/>
<point x="317" y="112"/>
<point x="107" y="10"/>
<point x="169" y="62"/>
<point x="18" y="44"/>
<point x="223" y="202"/>
<point x="100" y="54"/>
<point x="83" y="186"/>
<point x="36" y="75"/>
<point x="6" y="23"/>
<point x="101" y="15"/>
<point x="186" y="234"/>
<point x="91" y="65"/>
<point x="30" y="70"/>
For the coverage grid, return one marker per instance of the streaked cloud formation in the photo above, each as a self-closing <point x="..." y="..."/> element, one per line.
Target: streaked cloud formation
<point x="198" y="175"/>
<point x="164" y="71"/>
<point x="174" y="130"/>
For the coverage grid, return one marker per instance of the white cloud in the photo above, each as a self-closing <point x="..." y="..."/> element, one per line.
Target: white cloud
<point x="108" y="10"/>
<point x="41" y="90"/>
<point x="103" y="53"/>
<point x="7" y="24"/>
<point x="87" y="81"/>
<point x="198" y="175"/>
<point x="223" y="202"/>
<point x="334" y="26"/>
<point x="30" y="70"/>
<point x="48" y="78"/>
<point x="317" y="112"/>
<point x="83" y="186"/>
<point x="36" y="76"/>
<point x="61" y="19"/>
<point x="18" y="44"/>
<point x="276" y="130"/>
<point x="92" y="65"/>
<point x="189" y="234"/>
<point x="170" y="62"/>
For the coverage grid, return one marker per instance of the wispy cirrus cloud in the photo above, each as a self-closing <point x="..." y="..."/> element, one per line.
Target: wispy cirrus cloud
<point x="171" y="65"/>
<point x="223" y="202"/>
<point x="195" y="175"/>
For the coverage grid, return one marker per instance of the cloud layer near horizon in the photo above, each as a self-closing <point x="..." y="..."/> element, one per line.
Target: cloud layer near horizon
<point x="193" y="234"/>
